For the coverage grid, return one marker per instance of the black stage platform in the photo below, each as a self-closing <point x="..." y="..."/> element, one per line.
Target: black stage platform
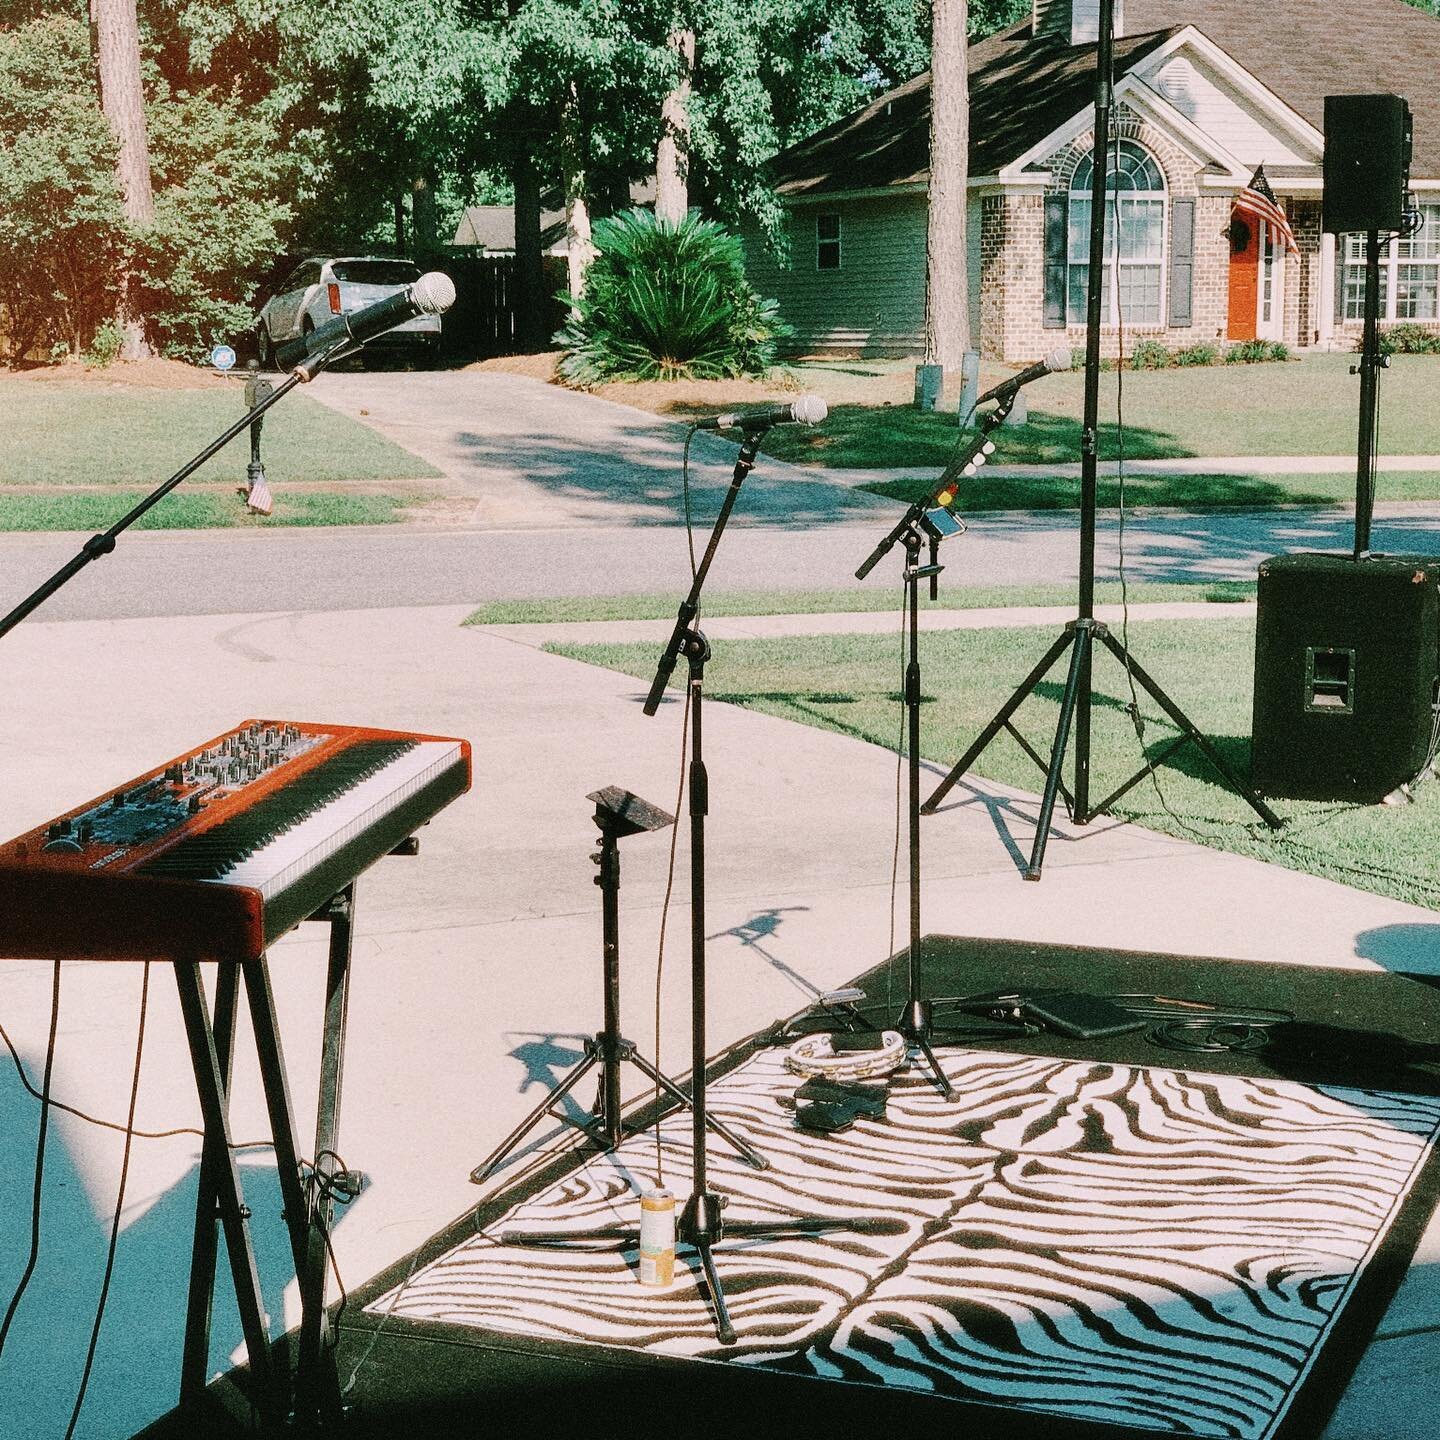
<point x="1104" y="1237"/>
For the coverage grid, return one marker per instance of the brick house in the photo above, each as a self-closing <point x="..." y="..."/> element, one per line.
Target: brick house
<point x="1205" y="91"/>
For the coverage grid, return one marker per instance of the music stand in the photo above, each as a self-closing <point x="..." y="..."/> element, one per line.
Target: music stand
<point x="618" y="813"/>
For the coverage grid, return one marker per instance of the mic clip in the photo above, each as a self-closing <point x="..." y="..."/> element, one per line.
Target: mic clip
<point x="312" y="365"/>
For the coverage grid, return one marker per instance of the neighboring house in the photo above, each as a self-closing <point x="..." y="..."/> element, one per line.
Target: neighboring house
<point x="1205" y="91"/>
<point x="491" y="229"/>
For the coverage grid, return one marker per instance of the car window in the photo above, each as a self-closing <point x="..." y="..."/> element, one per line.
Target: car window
<point x="375" y="272"/>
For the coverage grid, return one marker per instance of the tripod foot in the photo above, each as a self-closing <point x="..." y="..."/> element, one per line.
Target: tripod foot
<point x="922" y="1044"/>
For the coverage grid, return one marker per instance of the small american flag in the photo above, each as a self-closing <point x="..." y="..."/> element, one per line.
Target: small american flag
<point x="1258" y="199"/>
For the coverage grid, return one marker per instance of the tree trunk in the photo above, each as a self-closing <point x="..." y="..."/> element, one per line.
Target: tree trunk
<point x="672" y="154"/>
<point x="117" y="62"/>
<point x="947" y="290"/>
<point x="399" y="204"/>
<point x="423" y="224"/>
<point x="574" y="177"/>
<point x="530" y="308"/>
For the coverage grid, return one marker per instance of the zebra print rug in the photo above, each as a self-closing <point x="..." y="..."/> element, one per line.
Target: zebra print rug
<point x="1136" y="1246"/>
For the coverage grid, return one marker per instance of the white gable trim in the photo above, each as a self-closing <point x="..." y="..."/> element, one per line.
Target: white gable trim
<point x="1133" y="85"/>
<point x="1264" y="99"/>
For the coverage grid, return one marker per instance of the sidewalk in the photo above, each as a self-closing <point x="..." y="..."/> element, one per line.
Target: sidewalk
<point x="478" y="962"/>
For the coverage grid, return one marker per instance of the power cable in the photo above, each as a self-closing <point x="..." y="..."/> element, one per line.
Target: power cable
<point x="39" y="1184"/>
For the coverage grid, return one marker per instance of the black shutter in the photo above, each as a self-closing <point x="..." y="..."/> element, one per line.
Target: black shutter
<point x="1182" y="261"/>
<point x="1057" y="229"/>
<point x="1339" y="318"/>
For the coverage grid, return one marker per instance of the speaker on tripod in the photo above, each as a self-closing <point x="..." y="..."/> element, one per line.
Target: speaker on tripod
<point x="1347" y="665"/>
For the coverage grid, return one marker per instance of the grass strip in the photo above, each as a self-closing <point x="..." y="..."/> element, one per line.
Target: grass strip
<point x="194" y="510"/>
<point x="984" y="492"/>
<point x="579" y="608"/>
<point x="850" y="684"/>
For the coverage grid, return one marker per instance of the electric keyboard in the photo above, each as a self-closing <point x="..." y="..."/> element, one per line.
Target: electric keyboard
<point x="215" y="854"/>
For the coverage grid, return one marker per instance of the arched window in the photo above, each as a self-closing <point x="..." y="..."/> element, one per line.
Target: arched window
<point x="1136" y="190"/>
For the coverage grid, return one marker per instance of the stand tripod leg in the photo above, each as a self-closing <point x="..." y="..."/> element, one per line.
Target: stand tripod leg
<point x="1078" y="657"/>
<point x="483" y="1169"/>
<point x="1022" y="693"/>
<point x="748" y="1153"/>
<point x="1183" y="722"/>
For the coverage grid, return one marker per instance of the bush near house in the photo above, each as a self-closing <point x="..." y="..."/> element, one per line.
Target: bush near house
<point x="1408" y="339"/>
<point x="667" y="302"/>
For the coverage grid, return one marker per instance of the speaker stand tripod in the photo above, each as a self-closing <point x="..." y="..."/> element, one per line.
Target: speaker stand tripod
<point x="1081" y="633"/>
<point x="618" y="813"/>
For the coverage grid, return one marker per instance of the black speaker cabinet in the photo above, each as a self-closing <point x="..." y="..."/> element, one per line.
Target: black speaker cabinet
<point x="1347" y="660"/>
<point x="1367" y="163"/>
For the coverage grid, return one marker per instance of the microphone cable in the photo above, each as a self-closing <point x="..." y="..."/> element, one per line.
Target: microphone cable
<point x="119" y="1203"/>
<point x="679" y="804"/>
<point x="39" y="1184"/>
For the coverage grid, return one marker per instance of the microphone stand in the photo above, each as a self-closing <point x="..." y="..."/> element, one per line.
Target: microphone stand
<point x="701" y="1223"/>
<point x="915" y="1021"/>
<point x="104" y="543"/>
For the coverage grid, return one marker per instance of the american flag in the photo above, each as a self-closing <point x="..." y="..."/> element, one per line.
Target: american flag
<point x="1258" y="199"/>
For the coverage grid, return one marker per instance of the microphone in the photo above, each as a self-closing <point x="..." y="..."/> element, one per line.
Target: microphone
<point x="807" y="410"/>
<point x="1057" y="359"/>
<point x="431" y="294"/>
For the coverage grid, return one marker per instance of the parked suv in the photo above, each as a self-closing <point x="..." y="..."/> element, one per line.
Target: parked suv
<point x="316" y="291"/>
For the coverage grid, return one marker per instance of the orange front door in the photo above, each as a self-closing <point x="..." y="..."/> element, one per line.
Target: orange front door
<point x="1244" y="276"/>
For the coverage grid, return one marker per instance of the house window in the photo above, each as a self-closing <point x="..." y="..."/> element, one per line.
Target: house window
<point x="827" y="242"/>
<point x="1133" y="268"/>
<point x="1409" y="273"/>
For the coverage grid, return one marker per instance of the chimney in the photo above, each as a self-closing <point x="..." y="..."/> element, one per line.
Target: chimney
<point x="1076" y="20"/>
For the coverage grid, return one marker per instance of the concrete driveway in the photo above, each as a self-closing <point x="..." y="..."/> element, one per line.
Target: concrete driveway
<point x="538" y="454"/>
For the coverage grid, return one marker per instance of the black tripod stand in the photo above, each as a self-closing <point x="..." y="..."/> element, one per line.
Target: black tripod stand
<point x="1081" y="633"/>
<point x="618" y="813"/>
<point x="701" y="1223"/>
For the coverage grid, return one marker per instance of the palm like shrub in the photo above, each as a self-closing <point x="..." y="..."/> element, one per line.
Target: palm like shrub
<point x="667" y="302"/>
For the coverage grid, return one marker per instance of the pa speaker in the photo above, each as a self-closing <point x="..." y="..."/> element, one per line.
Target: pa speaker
<point x="1367" y="163"/>
<point x="1347" y="661"/>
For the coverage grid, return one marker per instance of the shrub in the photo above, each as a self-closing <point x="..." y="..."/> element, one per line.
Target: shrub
<point x="1198" y="355"/>
<point x="1151" y="355"/>
<point x="1408" y="338"/>
<point x="105" y="346"/>
<point x="667" y="302"/>
<point x="1255" y="352"/>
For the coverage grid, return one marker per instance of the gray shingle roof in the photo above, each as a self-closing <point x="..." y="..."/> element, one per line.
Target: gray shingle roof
<point x="1021" y="88"/>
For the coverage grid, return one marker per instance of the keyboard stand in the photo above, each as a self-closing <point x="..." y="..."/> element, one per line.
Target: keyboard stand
<point x="312" y="1399"/>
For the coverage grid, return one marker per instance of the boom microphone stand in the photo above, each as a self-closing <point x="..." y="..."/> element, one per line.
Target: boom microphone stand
<point x="1080" y="634"/>
<point x="927" y="521"/>
<point x="104" y="543"/>
<point x="701" y="1223"/>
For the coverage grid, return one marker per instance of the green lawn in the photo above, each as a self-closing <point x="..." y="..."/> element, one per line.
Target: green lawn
<point x="1305" y="407"/>
<point x="68" y="434"/>
<point x="194" y="509"/>
<point x="872" y="599"/>
<point x="849" y="684"/>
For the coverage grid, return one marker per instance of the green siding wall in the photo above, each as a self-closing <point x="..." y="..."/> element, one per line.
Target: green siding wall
<point x="875" y="303"/>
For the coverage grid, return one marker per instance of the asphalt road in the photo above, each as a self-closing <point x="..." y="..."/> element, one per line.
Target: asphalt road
<point x="208" y="573"/>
